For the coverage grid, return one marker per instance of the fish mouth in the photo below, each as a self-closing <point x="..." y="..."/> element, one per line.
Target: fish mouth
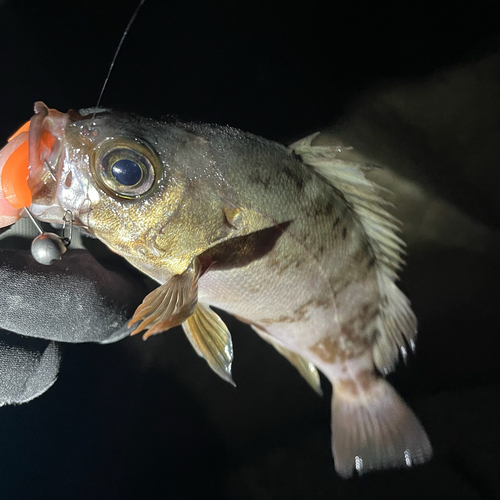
<point x="59" y="185"/>
<point x="30" y="162"/>
<point x="46" y="132"/>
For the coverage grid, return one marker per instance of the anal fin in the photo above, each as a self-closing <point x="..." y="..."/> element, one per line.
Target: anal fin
<point x="168" y="305"/>
<point x="211" y="340"/>
<point x="306" y="369"/>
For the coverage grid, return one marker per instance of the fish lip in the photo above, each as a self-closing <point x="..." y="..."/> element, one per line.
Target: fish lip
<point x="35" y="134"/>
<point x="49" y="167"/>
<point x="45" y="159"/>
<point x="56" y="196"/>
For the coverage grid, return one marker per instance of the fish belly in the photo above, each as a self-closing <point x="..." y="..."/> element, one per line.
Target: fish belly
<point x="320" y="306"/>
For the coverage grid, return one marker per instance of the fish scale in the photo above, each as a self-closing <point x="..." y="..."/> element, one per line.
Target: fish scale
<point x="294" y="241"/>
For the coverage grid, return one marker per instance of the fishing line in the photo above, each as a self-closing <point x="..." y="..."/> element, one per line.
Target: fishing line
<point x="47" y="247"/>
<point x="125" y="33"/>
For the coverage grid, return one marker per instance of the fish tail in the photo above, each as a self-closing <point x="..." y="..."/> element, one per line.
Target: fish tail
<point x="373" y="428"/>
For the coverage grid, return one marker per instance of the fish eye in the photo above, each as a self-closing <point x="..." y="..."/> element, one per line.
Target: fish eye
<point x="125" y="168"/>
<point x="127" y="172"/>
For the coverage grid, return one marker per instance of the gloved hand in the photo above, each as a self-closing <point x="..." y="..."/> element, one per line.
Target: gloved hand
<point x="73" y="300"/>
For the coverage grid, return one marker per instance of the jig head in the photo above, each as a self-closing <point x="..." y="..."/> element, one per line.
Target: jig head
<point x="47" y="247"/>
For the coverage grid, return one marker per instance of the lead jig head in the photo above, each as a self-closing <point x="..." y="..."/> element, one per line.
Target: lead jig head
<point x="47" y="247"/>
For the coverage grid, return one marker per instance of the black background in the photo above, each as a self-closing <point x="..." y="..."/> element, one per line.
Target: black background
<point x="149" y="420"/>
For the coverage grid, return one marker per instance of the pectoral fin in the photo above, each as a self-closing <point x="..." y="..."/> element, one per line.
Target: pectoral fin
<point x="211" y="339"/>
<point x="305" y="368"/>
<point x="168" y="305"/>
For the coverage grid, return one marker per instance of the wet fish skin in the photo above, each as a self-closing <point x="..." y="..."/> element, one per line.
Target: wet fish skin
<point x="294" y="241"/>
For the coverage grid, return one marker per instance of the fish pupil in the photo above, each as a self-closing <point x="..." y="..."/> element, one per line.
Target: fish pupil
<point x="126" y="172"/>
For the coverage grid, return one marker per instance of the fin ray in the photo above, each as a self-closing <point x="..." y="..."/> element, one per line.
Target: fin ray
<point x="211" y="340"/>
<point x="397" y="327"/>
<point x="375" y="430"/>
<point x="169" y="304"/>
<point x="362" y="194"/>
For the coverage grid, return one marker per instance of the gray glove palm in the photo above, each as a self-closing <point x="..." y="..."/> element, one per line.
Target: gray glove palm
<point x="74" y="300"/>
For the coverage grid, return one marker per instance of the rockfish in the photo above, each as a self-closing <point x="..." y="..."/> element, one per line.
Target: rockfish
<point x="294" y="241"/>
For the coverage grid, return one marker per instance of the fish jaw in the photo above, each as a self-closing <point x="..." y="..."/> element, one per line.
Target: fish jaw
<point x="65" y="183"/>
<point x="29" y="163"/>
<point x="45" y="169"/>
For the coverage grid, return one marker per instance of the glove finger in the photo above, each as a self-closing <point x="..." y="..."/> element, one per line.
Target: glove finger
<point x="28" y="367"/>
<point x="75" y="300"/>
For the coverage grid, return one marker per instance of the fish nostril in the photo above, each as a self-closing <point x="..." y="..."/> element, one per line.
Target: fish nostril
<point x="68" y="180"/>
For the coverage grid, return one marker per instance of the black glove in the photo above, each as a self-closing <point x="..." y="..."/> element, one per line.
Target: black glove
<point x="77" y="299"/>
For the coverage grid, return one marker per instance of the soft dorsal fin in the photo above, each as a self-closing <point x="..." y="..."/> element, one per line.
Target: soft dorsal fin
<point x="396" y="322"/>
<point x="308" y="371"/>
<point x="211" y="340"/>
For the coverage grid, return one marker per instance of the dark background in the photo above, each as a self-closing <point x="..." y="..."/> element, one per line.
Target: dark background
<point x="150" y="420"/>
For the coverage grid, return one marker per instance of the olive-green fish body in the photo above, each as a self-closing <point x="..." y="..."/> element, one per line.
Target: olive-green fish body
<point x="294" y="241"/>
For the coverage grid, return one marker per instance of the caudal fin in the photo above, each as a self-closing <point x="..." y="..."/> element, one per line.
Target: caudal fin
<point x="374" y="429"/>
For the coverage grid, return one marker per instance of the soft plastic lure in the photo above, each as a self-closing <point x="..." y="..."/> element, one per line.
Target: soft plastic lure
<point x="25" y="165"/>
<point x="15" y="172"/>
<point x="24" y="168"/>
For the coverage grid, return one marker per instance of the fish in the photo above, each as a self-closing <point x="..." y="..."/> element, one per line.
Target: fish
<point x="295" y="241"/>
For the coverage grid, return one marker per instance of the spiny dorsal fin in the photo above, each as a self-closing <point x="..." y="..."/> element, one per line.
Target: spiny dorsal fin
<point x="364" y="197"/>
<point x="211" y="340"/>
<point x="396" y="322"/>
<point x="305" y="368"/>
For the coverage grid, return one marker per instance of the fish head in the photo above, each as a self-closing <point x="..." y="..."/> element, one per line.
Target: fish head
<point x="114" y="174"/>
<point x="141" y="186"/>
